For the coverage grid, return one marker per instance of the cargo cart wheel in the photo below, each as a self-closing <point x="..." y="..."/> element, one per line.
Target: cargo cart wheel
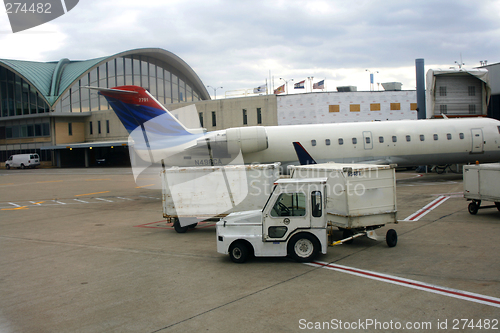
<point x="473" y="208"/>
<point x="391" y="238"/>
<point x="238" y="252"/>
<point x="346" y="234"/>
<point x="8" y="166"/>
<point x="303" y="247"/>
<point x="498" y="205"/>
<point x="178" y="228"/>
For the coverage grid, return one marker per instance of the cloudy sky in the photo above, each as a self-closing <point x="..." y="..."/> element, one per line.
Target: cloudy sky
<point x="238" y="44"/>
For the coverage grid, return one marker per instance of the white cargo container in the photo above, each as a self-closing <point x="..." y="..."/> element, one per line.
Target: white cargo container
<point x="360" y="196"/>
<point x="193" y="193"/>
<point x="482" y="182"/>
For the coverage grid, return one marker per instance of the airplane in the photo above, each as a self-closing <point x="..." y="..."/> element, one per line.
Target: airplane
<point x="158" y="137"/>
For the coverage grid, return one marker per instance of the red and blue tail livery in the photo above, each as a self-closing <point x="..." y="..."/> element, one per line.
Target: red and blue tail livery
<point x="135" y="105"/>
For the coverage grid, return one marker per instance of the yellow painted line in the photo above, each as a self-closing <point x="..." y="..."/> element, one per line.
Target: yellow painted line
<point x="17" y="208"/>
<point x="50" y="181"/>
<point x="38" y="203"/>
<point x="81" y="195"/>
<point x="144" y="185"/>
<point x="89" y="180"/>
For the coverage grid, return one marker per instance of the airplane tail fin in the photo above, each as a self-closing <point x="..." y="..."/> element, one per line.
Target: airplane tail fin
<point x="302" y="154"/>
<point x="135" y="105"/>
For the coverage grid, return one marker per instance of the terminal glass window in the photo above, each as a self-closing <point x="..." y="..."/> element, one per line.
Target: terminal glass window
<point x="136" y="71"/>
<point x="289" y="204"/>
<point x="259" y="116"/>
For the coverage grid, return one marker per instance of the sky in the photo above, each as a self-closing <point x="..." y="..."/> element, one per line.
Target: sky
<point x="239" y="44"/>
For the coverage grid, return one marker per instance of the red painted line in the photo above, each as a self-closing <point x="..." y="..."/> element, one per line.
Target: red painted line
<point x="415" y="284"/>
<point x="428" y="208"/>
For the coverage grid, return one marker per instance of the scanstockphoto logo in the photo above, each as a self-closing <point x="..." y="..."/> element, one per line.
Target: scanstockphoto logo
<point x="28" y="14"/>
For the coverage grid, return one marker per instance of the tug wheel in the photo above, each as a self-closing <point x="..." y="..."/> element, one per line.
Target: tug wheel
<point x="238" y="252"/>
<point x="303" y="247"/>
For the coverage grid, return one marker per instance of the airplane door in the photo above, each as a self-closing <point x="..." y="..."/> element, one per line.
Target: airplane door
<point x="477" y="140"/>
<point x="367" y="140"/>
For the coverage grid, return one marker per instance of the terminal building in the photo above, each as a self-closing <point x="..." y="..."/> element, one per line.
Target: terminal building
<point x="45" y="109"/>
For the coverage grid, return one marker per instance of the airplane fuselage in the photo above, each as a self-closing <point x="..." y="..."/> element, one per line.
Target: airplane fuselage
<point x="406" y="142"/>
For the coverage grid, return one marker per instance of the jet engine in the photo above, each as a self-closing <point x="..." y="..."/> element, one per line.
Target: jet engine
<point x="247" y="139"/>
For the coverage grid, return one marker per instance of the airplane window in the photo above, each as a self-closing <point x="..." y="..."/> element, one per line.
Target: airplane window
<point x="448" y="136"/>
<point x="327" y="142"/>
<point x="341" y="141"/>
<point x="498" y="129"/>
<point x="435" y="137"/>
<point x="408" y="138"/>
<point x="313" y="142"/>
<point x="461" y="136"/>
<point x="381" y="139"/>
<point x="367" y="140"/>
<point x="394" y="138"/>
<point x="354" y="141"/>
<point x="422" y="137"/>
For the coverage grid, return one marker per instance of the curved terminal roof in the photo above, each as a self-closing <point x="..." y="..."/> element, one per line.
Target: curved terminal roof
<point x="52" y="79"/>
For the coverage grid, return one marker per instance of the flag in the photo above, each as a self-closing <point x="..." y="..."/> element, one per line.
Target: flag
<point x="299" y="85"/>
<point x="319" y="85"/>
<point x="260" y="89"/>
<point x="279" y="90"/>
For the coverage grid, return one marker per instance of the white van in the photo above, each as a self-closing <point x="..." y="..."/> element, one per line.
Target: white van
<point x="22" y="161"/>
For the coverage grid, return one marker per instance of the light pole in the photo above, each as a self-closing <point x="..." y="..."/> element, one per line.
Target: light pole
<point x="311" y="78"/>
<point x="215" y="90"/>
<point x="371" y="78"/>
<point x="286" y="84"/>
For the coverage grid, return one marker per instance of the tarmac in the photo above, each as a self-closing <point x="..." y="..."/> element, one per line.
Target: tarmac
<point x="87" y="250"/>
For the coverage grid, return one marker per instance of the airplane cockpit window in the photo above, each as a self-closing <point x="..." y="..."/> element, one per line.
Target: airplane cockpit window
<point x="435" y="137"/>
<point x="448" y="136"/>
<point x="341" y="141"/>
<point x="290" y="204"/>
